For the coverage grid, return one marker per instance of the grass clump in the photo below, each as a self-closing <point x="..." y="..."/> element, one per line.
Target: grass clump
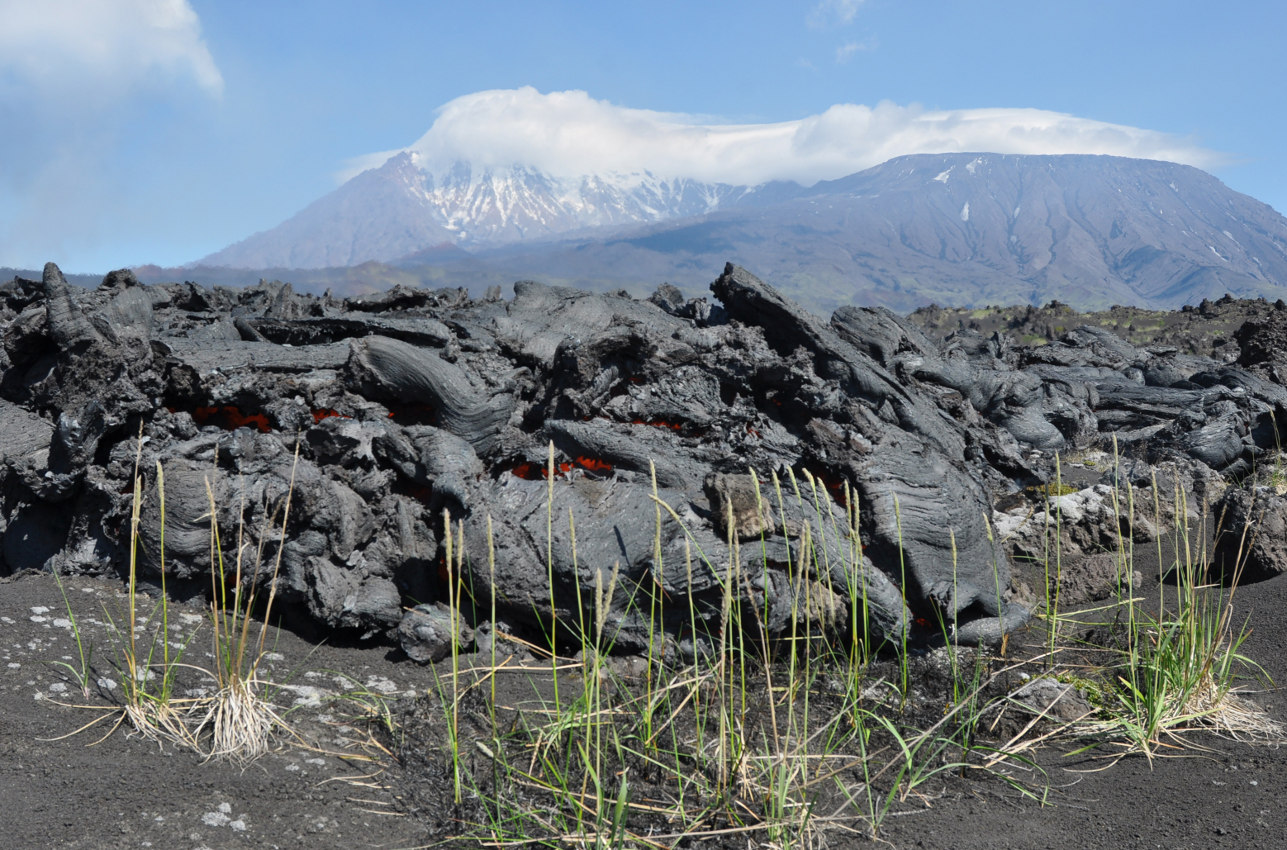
<point x="149" y="704"/>
<point x="237" y="721"/>
<point x="1159" y="674"/>
<point x="1182" y="663"/>
<point x="239" y="715"/>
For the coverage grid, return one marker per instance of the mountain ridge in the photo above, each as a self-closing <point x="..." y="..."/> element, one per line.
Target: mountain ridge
<point x="966" y="229"/>
<point x="406" y="208"/>
<point x="1089" y="231"/>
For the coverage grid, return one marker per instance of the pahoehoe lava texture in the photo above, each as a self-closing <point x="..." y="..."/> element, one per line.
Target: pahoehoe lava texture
<point x="412" y="403"/>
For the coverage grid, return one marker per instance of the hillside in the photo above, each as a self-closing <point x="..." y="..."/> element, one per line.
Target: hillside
<point x="971" y="230"/>
<point x="966" y="230"/>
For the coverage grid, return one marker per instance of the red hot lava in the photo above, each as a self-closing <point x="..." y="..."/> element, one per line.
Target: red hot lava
<point x="659" y="423"/>
<point x="230" y="417"/>
<point x="538" y="471"/>
<point x="327" y="413"/>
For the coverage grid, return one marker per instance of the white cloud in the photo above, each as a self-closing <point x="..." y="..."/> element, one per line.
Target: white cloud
<point x="833" y="12"/>
<point x="75" y="77"/>
<point x="569" y="134"/>
<point x="102" y="48"/>
<point x="846" y="51"/>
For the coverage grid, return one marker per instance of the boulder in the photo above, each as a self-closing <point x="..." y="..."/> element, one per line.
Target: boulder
<point x="1251" y="534"/>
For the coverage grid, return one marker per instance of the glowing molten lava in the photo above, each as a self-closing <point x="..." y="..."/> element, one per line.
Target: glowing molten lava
<point x="659" y="423"/>
<point x="413" y="414"/>
<point x="229" y="418"/>
<point x="327" y="413"/>
<point x="538" y="472"/>
<point x="593" y="464"/>
<point x="835" y="487"/>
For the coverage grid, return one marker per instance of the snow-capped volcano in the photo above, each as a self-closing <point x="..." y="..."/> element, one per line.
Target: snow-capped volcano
<point x="493" y="206"/>
<point x="965" y="228"/>
<point x="403" y="207"/>
<point x="515" y="166"/>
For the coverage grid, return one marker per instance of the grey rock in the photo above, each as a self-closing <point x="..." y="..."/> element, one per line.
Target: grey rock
<point x="1251" y="541"/>
<point x="1053" y="699"/>
<point x="428" y="633"/>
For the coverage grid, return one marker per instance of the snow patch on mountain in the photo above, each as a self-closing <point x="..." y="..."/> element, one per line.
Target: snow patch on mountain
<point x="485" y="206"/>
<point x="407" y="205"/>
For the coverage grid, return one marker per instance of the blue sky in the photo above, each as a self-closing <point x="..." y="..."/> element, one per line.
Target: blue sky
<point x="159" y="131"/>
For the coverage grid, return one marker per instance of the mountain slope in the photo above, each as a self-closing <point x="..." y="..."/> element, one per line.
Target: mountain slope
<point x="956" y="229"/>
<point x="970" y="230"/>
<point x="378" y="215"/>
<point x="1141" y="228"/>
<point x="400" y="209"/>
<point x="517" y="204"/>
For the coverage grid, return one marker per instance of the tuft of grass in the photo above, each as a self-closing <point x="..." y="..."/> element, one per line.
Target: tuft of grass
<point x="82" y="672"/>
<point x="1182" y="664"/>
<point x="238" y="721"/>
<point x="1176" y="669"/>
<point x="241" y="718"/>
<point x="149" y="704"/>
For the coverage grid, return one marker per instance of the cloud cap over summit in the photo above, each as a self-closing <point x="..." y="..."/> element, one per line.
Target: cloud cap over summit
<point x="570" y="133"/>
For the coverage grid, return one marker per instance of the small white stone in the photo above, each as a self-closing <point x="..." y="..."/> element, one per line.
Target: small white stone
<point x="381" y="685"/>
